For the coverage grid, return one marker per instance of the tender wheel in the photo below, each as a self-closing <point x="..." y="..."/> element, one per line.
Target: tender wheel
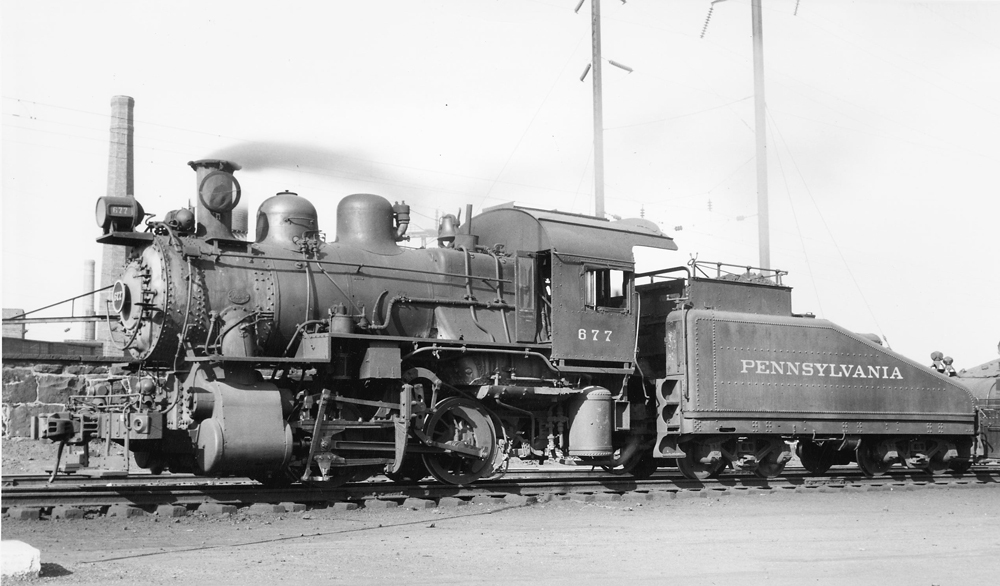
<point x="768" y="466"/>
<point x="621" y="466"/>
<point x="463" y="423"/>
<point x="693" y="468"/>
<point x="644" y="467"/>
<point x="814" y="457"/>
<point x="963" y="463"/>
<point x="937" y="465"/>
<point x="961" y="467"/>
<point x="617" y="470"/>
<point x="870" y="459"/>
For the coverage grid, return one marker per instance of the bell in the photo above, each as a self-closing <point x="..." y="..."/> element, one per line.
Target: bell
<point x="447" y="230"/>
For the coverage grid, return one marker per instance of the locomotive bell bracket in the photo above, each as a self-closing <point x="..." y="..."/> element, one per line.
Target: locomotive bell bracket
<point x="118" y="214"/>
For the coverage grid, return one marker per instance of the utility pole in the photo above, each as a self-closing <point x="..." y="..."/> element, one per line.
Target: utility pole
<point x="595" y="17"/>
<point x="760" y="131"/>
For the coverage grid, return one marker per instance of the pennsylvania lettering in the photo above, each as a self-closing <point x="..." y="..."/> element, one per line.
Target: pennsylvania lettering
<point x="819" y="369"/>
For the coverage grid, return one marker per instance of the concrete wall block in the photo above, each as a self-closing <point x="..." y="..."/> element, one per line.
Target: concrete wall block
<point x="85" y="369"/>
<point x="18" y="422"/>
<point x="118" y="369"/>
<point x="48" y="368"/>
<point x="519" y="500"/>
<point x="126" y="511"/>
<point x="266" y="509"/>
<point x="15" y="373"/>
<point x="91" y="381"/>
<point x="24" y="514"/>
<point x="216" y="509"/>
<point x="19" y="385"/>
<point x="67" y="513"/>
<point x="57" y="388"/>
<point x="171" y="511"/>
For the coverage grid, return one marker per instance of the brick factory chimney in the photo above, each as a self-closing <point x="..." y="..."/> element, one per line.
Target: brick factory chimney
<point x="121" y="180"/>
<point x="89" y="276"/>
<point x="121" y="183"/>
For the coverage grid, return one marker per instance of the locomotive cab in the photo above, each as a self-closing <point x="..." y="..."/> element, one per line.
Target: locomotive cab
<point x="575" y="280"/>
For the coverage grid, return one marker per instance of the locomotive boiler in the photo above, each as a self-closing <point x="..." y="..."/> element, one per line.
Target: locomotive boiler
<point x="523" y="333"/>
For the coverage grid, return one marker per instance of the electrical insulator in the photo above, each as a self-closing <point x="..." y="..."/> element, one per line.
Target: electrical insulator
<point x="704" y="29"/>
<point x="620" y="66"/>
<point x="711" y="7"/>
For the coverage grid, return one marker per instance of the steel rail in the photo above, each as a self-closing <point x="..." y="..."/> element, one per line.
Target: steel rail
<point x="145" y="492"/>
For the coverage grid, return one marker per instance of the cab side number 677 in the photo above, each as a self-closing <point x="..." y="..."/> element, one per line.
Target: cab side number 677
<point x="595" y="335"/>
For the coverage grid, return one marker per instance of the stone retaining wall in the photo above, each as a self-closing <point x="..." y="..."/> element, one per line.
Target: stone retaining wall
<point x="32" y="387"/>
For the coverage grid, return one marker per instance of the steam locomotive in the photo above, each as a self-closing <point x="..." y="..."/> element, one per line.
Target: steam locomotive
<point x="523" y="333"/>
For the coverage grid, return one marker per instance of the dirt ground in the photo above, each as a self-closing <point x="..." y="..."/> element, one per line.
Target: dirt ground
<point x="920" y="537"/>
<point x="24" y="456"/>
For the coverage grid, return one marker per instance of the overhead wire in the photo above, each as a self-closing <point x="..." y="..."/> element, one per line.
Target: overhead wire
<point x="964" y="98"/>
<point x="531" y="122"/>
<point x="496" y="180"/>
<point x="298" y="169"/>
<point x="968" y="33"/>
<point x="686" y="115"/>
<point x="826" y="226"/>
<point x="874" y="131"/>
<point x="795" y="217"/>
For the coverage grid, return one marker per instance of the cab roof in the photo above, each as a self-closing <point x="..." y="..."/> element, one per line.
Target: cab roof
<point x="566" y="234"/>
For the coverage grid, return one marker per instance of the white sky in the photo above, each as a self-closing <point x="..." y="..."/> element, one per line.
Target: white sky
<point x="883" y="146"/>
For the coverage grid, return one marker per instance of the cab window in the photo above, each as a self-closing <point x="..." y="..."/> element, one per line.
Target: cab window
<point x="607" y="288"/>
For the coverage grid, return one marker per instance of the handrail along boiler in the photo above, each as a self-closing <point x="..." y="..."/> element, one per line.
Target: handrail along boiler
<point x="523" y="333"/>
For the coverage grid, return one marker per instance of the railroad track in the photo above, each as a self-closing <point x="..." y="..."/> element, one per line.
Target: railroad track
<point x="27" y="496"/>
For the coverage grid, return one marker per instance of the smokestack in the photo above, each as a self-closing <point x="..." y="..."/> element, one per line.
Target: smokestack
<point x="89" y="328"/>
<point x="218" y="195"/>
<point x="121" y="183"/>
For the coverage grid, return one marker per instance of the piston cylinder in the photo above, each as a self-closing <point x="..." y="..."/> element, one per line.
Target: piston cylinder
<point x="246" y="433"/>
